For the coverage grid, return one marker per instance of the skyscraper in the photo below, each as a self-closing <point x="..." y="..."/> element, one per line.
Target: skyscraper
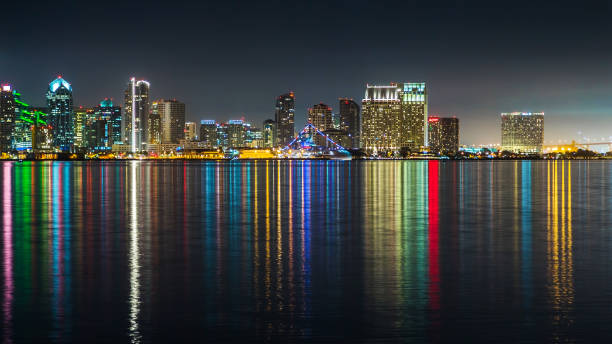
<point x="7" y="117"/>
<point x="284" y="117"/>
<point x="443" y="135"/>
<point x="191" y="131"/>
<point x="61" y="114"/>
<point x="320" y="115"/>
<point x="208" y="133"/>
<point x="80" y="121"/>
<point x="394" y="117"/>
<point x="135" y="117"/>
<point x="236" y="133"/>
<point x="154" y="128"/>
<point x="522" y="132"/>
<point x="350" y="120"/>
<point x="106" y="128"/>
<point x="269" y="133"/>
<point x="172" y="115"/>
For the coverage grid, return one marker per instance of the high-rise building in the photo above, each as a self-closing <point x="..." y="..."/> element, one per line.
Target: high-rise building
<point x="443" y="135"/>
<point x="320" y="115"/>
<point x="284" y="117"/>
<point x="80" y="121"/>
<point x="222" y="136"/>
<point x="104" y="126"/>
<point x="61" y="114"/>
<point x="136" y="115"/>
<point x="154" y="128"/>
<point x="522" y="132"/>
<point x="208" y="133"/>
<point x="253" y="137"/>
<point x="350" y="120"/>
<point x="269" y="133"/>
<point x="7" y="117"/>
<point x="172" y="115"/>
<point x="236" y="133"/>
<point x="394" y="117"/>
<point x="191" y="131"/>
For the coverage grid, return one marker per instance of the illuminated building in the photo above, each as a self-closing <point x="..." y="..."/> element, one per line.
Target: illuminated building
<point x="321" y="117"/>
<point x="222" y="135"/>
<point x="154" y="125"/>
<point x="172" y="115"/>
<point x="339" y="136"/>
<point x="191" y="131"/>
<point x="394" y="117"/>
<point x="135" y="117"/>
<point x="80" y="117"/>
<point x="350" y="120"/>
<point x="103" y="126"/>
<point x="522" y="132"/>
<point x="236" y="133"/>
<point x="253" y="136"/>
<point x="7" y="117"/>
<point x="284" y="118"/>
<point x="269" y="133"/>
<point x="208" y="133"/>
<point x="443" y="135"/>
<point x="61" y="114"/>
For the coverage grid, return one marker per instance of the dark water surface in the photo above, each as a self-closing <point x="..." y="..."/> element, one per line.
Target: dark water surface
<point x="306" y="251"/>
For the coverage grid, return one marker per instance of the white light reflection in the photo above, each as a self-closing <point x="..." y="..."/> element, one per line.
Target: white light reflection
<point x="134" y="260"/>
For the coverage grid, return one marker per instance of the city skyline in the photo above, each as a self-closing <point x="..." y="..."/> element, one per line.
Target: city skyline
<point x="478" y="61"/>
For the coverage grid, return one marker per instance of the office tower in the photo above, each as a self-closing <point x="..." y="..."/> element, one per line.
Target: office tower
<point x="154" y="127"/>
<point x="443" y="135"/>
<point x="136" y="115"/>
<point x="172" y="116"/>
<point x="522" y="132"/>
<point x="350" y="120"/>
<point x="208" y="133"/>
<point x="320" y="116"/>
<point x="284" y="117"/>
<point x="191" y="131"/>
<point x="7" y="117"/>
<point x="222" y="136"/>
<point x="61" y="114"/>
<point x="269" y="133"/>
<point x="235" y="133"/>
<point x="338" y="136"/>
<point x="80" y="117"/>
<point x="253" y="137"/>
<point x="394" y="117"/>
<point x="105" y="125"/>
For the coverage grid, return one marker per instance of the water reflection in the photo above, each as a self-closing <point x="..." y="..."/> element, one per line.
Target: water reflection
<point x="396" y="251"/>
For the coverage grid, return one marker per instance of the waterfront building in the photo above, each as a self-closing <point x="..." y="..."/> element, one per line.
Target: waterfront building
<point x="320" y="115"/>
<point x="339" y="136"/>
<point x="154" y="127"/>
<point x="269" y="133"/>
<point x="284" y="118"/>
<point x="253" y="136"/>
<point x="80" y="117"/>
<point x="236" y="133"/>
<point x="443" y="135"/>
<point x="522" y="132"/>
<point x="394" y="117"/>
<point x="208" y="133"/>
<point x="135" y="117"/>
<point x="191" y="131"/>
<point x="222" y="135"/>
<point x="8" y="116"/>
<point x="104" y="126"/>
<point x="350" y="120"/>
<point x="172" y="115"/>
<point x="61" y="114"/>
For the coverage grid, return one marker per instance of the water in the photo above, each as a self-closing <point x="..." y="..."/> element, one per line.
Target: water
<point x="306" y="251"/>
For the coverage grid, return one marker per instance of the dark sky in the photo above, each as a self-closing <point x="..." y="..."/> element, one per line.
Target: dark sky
<point x="229" y="59"/>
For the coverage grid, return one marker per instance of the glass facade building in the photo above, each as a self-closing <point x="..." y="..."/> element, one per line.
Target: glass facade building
<point x="284" y="117"/>
<point x="7" y="117"/>
<point x="61" y="114"/>
<point x="136" y="116"/>
<point x="208" y="133"/>
<point x="350" y="121"/>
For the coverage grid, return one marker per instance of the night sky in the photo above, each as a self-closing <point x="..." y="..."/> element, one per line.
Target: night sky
<point x="228" y="60"/>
